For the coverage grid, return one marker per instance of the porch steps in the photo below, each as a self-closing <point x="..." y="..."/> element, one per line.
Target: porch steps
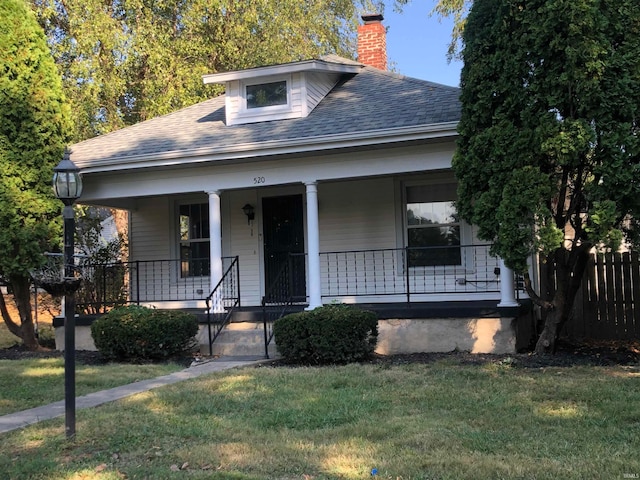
<point x="245" y="339"/>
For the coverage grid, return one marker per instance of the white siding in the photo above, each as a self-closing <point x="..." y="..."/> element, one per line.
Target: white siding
<point x="296" y="95"/>
<point x="357" y="215"/>
<point x="318" y="86"/>
<point x="360" y="222"/>
<point x="244" y="241"/>
<point x="150" y="226"/>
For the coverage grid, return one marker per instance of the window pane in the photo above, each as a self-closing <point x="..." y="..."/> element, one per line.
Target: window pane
<point x="184" y="222"/>
<point x="194" y="221"/>
<point x="266" y="94"/>
<point x="431" y="213"/>
<point x="194" y="239"/>
<point x="194" y="259"/>
<point x="430" y="246"/>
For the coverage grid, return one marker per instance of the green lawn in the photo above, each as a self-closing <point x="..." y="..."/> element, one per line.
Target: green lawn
<point x="441" y="420"/>
<point x="35" y="382"/>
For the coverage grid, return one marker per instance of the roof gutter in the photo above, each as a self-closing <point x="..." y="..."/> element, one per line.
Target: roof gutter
<point x="279" y="147"/>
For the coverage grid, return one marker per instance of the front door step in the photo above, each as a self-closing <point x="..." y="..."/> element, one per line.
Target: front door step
<point x="238" y="339"/>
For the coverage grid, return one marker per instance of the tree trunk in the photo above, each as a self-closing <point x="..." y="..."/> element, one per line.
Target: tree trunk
<point x="121" y="218"/>
<point x="22" y="296"/>
<point x="6" y="316"/>
<point x="569" y="267"/>
<point x="552" y="327"/>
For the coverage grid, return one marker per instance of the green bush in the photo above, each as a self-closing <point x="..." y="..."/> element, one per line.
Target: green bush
<point x="139" y="333"/>
<point x="47" y="336"/>
<point x="332" y="334"/>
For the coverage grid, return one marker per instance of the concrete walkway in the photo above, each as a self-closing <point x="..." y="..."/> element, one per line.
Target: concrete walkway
<point x="17" y="420"/>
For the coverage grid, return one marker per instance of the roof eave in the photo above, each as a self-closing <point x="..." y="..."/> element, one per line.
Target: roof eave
<point x="304" y="66"/>
<point x="279" y="147"/>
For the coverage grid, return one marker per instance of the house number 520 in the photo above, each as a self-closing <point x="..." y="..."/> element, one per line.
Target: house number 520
<point x="258" y="180"/>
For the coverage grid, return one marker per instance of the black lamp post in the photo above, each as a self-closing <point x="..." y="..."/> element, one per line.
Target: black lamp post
<point x="67" y="186"/>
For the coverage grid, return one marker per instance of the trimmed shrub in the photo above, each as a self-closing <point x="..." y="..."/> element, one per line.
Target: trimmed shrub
<point x="332" y="334"/>
<point x="139" y="333"/>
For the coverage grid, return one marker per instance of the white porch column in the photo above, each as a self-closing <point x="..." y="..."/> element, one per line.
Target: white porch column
<point x="215" y="245"/>
<point x="313" y="245"/>
<point x="507" y="287"/>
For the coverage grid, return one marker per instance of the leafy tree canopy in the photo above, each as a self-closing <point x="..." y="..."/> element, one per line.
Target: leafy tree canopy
<point x="549" y="154"/>
<point x="126" y="61"/>
<point x="34" y="124"/>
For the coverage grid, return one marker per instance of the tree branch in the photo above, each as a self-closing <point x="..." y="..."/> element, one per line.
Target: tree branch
<point x="11" y="325"/>
<point x="535" y="298"/>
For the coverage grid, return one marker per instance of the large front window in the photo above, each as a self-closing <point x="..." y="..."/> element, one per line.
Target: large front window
<point x="194" y="240"/>
<point x="433" y="229"/>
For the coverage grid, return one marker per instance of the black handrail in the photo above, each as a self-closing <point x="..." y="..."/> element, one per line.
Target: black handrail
<point x="228" y="289"/>
<point x="276" y="301"/>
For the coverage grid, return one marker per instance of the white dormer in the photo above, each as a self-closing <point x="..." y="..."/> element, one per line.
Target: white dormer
<point x="281" y="91"/>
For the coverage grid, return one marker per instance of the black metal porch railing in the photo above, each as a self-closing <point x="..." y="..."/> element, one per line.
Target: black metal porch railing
<point x="384" y="272"/>
<point x="278" y="298"/>
<point x="108" y="285"/>
<point x="369" y="275"/>
<point x="222" y="301"/>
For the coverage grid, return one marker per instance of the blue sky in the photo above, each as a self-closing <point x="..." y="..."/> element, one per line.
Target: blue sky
<point x="417" y="44"/>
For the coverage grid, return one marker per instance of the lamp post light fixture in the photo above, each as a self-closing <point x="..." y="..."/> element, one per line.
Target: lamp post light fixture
<point x="67" y="186"/>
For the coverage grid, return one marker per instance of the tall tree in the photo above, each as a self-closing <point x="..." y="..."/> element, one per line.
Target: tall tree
<point x="548" y="159"/>
<point x="34" y="124"/>
<point x="124" y="61"/>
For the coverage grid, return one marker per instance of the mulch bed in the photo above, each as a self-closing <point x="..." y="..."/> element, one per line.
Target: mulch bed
<point x="587" y="353"/>
<point x="595" y="353"/>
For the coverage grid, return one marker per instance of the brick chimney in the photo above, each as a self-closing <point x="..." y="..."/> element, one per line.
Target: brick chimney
<point x="372" y="41"/>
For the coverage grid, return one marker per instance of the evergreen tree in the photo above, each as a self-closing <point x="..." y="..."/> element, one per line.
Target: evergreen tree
<point x="548" y="159"/>
<point x="34" y="124"/>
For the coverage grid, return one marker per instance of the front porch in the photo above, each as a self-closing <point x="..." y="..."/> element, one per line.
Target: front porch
<point x="382" y="276"/>
<point x="421" y="308"/>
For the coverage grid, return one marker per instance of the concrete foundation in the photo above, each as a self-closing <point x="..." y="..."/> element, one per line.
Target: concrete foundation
<point x="475" y="335"/>
<point x="84" y="340"/>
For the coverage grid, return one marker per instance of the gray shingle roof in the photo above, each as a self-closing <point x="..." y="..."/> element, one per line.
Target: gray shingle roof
<point x="368" y="101"/>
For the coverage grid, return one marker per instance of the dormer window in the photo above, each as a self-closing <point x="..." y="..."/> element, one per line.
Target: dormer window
<point x="279" y="92"/>
<point x="266" y="94"/>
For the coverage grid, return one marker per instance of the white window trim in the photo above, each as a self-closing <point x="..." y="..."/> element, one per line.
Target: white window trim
<point x="176" y="273"/>
<point x="466" y="231"/>
<point x="270" y="110"/>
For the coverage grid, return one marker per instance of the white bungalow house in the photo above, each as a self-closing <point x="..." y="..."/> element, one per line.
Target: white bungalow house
<point x="307" y="183"/>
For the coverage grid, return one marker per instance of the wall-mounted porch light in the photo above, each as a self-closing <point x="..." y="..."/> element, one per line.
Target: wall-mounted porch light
<point x="250" y="212"/>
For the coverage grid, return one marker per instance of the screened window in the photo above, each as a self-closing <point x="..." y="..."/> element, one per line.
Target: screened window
<point x="433" y="229"/>
<point x="194" y="240"/>
<point x="266" y="94"/>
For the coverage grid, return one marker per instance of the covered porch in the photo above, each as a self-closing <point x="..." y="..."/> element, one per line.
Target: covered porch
<point x="379" y="279"/>
<point x="439" y="307"/>
<point x="377" y="239"/>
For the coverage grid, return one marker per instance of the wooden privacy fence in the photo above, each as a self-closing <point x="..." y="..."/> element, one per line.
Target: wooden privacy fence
<point x="607" y="306"/>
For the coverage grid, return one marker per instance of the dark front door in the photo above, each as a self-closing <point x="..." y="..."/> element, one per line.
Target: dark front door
<point x="283" y="231"/>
